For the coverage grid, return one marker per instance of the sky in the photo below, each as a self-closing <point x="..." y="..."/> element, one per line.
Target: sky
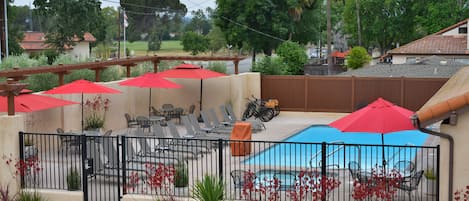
<point x="190" y="4"/>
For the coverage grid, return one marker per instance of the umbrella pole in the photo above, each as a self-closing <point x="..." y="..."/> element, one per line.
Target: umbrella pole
<point x="82" y="122"/>
<point x="200" y="100"/>
<point x="384" y="159"/>
<point x="149" y="105"/>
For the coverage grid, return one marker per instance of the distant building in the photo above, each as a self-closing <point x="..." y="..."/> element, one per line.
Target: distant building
<point x="450" y="44"/>
<point x="34" y="42"/>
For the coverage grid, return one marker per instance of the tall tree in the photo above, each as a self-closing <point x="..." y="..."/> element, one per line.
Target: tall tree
<point x="144" y="15"/>
<point x="263" y="24"/>
<point x="434" y="15"/>
<point x="200" y="23"/>
<point x="71" y="19"/>
<point x="383" y="23"/>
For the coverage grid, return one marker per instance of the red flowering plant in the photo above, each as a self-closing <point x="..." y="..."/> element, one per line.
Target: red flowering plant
<point x="462" y="194"/>
<point x="312" y="183"/>
<point x="268" y="188"/>
<point x="378" y="186"/>
<point x="29" y="167"/>
<point x="158" y="179"/>
<point x="95" y="110"/>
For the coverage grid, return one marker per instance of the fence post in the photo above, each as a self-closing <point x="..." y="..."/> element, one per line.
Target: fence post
<point x="124" y="151"/>
<point x="84" y="168"/>
<point x="220" y="159"/>
<point x="21" y="140"/>
<point x="323" y="169"/>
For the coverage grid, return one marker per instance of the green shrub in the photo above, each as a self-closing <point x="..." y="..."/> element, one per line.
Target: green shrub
<point x="357" y="58"/>
<point x="21" y="61"/>
<point x="269" y="66"/>
<point x="112" y="73"/>
<point x="430" y="174"/>
<point x="29" y="196"/>
<point x="73" y="180"/>
<point x="209" y="189"/>
<point x="42" y="82"/>
<point x="181" y="176"/>
<point x="294" y="56"/>
<point x="217" y="67"/>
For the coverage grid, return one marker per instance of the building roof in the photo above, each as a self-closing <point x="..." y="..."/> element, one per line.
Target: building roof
<point x="340" y="54"/>
<point x="437" y="44"/>
<point x="452" y="96"/>
<point x="405" y="70"/>
<point x="36" y="40"/>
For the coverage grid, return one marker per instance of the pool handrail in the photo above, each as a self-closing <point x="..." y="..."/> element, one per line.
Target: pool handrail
<point x="332" y="153"/>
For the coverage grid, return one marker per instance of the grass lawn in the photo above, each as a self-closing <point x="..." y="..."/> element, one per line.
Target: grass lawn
<point x="167" y="47"/>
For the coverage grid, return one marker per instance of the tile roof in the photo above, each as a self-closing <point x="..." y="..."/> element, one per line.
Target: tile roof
<point x="406" y="70"/>
<point x="452" y="96"/>
<point x="35" y="40"/>
<point x="437" y="44"/>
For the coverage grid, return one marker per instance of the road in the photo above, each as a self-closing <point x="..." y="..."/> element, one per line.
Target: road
<point x="243" y="66"/>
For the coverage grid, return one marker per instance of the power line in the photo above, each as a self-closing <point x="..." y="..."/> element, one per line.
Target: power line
<point x="252" y="29"/>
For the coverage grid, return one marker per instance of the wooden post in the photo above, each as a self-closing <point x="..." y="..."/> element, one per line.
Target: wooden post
<point x="11" y="103"/>
<point x="236" y="62"/>
<point x="155" y="65"/>
<point x="97" y="74"/>
<point x="127" y="71"/>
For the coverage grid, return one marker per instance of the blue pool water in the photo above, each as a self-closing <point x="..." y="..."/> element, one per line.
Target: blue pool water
<point x="309" y="155"/>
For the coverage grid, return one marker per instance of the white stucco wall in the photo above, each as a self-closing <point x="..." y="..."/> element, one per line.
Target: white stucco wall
<point x="217" y="91"/>
<point x="81" y="50"/>
<point x="461" y="164"/>
<point x="9" y="147"/>
<point x="454" y="31"/>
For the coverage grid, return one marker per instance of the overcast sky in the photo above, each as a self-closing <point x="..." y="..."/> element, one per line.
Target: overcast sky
<point x="190" y="4"/>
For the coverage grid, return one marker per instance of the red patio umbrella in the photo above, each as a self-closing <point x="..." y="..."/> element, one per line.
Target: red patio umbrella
<point x="33" y="102"/>
<point x="190" y="71"/>
<point x="82" y="87"/>
<point x="149" y="80"/>
<point x="380" y="116"/>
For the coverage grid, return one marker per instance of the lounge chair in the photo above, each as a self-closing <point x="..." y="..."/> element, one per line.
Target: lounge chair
<point x="189" y="139"/>
<point x="207" y="121"/>
<point x="110" y="163"/>
<point x="163" y="149"/>
<point x="212" y="123"/>
<point x="191" y="125"/>
<point x="257" y="125"/>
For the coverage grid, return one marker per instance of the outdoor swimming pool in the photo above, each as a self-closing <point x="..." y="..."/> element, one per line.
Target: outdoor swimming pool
<point x="306" y="151"/>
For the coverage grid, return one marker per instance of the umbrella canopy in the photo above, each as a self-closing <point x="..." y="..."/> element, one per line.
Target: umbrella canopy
<point x="33" y="102"/>
<point x="379" y="117"/>
<point x="82" y="87"/>
<point x="190" y="71"/>
<point x="150" y="80"/>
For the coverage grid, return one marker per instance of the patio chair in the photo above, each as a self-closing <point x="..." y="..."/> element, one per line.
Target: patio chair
<point x="131" y="123"/>
<point x="410" y="184"/>
<point x="191" y="109"/>
<point x="405" y="167"/>
<point x="176" y="113"/>
<point x="68" y="141"/>
<point x="143" y="122"/>
<point x="155" y="112"/>
<point x="240" y="176"/>
<point x="354" y="169"/>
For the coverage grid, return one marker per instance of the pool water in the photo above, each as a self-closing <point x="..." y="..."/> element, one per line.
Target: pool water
<point x="308" y="154"/>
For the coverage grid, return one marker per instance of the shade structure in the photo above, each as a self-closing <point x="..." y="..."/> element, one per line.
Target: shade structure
<point x="82" y="87"/>
<point x="378" y="117"/>
<point x="191" y="71"/>
<point x="150" y="80"/>
<point x="33" y="102"/>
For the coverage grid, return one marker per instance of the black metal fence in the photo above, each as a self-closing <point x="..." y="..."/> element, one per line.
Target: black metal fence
<point x="110" y="166"/>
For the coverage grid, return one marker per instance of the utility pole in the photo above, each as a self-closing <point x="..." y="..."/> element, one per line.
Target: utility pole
<point x="119" y="32"/>
<point x="359" y="29"/>
<point x="329" y="38"/>
<point x="2" y="29"/>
